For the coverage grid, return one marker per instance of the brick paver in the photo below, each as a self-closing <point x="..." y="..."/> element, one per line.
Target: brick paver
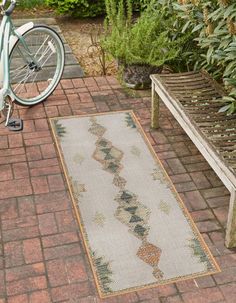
<point x="42" y="258"/>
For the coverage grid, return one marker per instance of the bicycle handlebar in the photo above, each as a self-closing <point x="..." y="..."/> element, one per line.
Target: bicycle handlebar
<point x="10" y="9"/>
<point x="3" y="3"/>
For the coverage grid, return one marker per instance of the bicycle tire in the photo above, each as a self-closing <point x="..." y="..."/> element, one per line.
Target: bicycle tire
<point x="32" y="84"/>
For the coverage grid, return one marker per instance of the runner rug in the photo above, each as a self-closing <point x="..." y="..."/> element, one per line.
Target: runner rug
<point x="136" y="230"/>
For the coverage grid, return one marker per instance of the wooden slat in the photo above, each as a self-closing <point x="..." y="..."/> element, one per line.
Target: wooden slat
<point x="185" y="74"/>
<point x="209" y="107"/>
<point x="187" y="81"/>
<point x="199" y="95"/>
<point x="227" y="123"/>
<point x="198" y="91"/>
<point x="190" y="96"/>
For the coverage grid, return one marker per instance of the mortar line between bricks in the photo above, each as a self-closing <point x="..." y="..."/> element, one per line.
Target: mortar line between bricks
<point x="211" y="208"/>
<point x="177" y="289"/>
<point x="180" y="294"/>
<point x="117" y="100"/>
<point x="213" y="277"/>
<point x="27" y="163"/>
<point x="214" y="187"/>
<point x="218" y="221"/>
<point x="38" y="137"/>
<point x="36" y="237"/>
<point x="199" y="289"/>
<point x="209" y="179"/>
<point x="210" y="185"/>
<point x="48" y="158"/>
<point x="222" y="293"/>
<point x="12" y="171"/>
<point x="54" y="174"/>
<point x="57" y="156"/>
<point x="30" y="180"/>
<point x="46" y="272"/>
<point x="179" y="158"/>
<point x="33" y="238"/>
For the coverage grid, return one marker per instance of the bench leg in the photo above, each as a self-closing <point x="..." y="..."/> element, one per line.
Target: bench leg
<point x="155" y="108"/>
<point x="230" y="240"/>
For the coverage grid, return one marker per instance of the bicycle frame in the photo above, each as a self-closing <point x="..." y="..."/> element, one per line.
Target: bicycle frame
<point x="9" y="36"/>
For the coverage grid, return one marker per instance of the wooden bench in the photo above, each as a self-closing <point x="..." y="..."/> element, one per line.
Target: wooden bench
<point x="192" y="99"/>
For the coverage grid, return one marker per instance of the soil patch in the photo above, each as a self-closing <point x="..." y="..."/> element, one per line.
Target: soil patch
<point x="37" y="12"/>
<point x="83" y="37"/>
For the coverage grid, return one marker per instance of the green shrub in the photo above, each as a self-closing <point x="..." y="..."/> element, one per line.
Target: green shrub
<point x="214" y="23"/>
<point x="150" y="39"/>
<point x="85" y="8"/>
<point x="30" y="3"/>
<point x="139" y="4"/>
<point x="78" y="8"/>
<point x="211" y="26"/>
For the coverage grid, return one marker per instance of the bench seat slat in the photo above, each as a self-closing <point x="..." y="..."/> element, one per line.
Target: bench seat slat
<point x="188" y="82"/>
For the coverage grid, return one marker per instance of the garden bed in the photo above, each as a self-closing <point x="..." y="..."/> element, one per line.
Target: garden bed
<point x="78" y="34"/>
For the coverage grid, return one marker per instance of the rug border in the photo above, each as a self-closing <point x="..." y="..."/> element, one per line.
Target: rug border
<point x="80" y="221"/>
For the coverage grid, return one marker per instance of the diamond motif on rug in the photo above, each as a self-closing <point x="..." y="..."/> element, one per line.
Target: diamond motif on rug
<point x="110" y="157"/>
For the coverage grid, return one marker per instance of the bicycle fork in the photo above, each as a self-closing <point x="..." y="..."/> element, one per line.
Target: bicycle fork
<point x="6" y="97"/>
<point x="7" y="105"/>
<point x="13" y="124"/>
<point x="8" y="38"/>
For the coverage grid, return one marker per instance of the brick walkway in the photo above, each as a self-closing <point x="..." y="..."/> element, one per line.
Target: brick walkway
<point x="42" y="258"/>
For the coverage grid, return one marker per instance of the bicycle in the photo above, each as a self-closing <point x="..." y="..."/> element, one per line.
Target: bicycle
<point x="32" y="59"/>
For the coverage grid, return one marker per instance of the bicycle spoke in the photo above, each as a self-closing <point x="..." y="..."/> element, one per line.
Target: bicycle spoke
<point x="41" y="60"/>
<point x="19" y="74"/>
<point x="41" y="47"/>
<point x="20" y="85"/>
<point x="44" y="53"/>
<point x="46" y="59"/>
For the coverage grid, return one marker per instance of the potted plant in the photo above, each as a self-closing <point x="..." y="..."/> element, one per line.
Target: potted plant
<point x="140" y="45"/>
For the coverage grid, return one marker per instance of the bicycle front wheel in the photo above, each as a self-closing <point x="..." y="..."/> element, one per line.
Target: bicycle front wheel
<point x="36" y="65"/>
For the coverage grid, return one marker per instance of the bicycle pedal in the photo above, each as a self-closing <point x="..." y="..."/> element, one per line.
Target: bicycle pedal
<point x="15" y="124"/>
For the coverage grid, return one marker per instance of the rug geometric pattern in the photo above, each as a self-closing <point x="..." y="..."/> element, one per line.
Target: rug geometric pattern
<point x="136" y="230"/>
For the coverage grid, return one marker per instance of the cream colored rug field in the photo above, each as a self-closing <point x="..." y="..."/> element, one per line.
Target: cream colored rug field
<point x="136" y="230"/>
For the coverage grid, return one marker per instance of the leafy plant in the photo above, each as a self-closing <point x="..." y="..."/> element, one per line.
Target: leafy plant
<point x="78" y="8"/>
<point x="145" y="40"/>
<point x="30" y="3"/>
<point x="86" y="8"/>
<point x="230" y="100"/>
<point x="214" y="22"/>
